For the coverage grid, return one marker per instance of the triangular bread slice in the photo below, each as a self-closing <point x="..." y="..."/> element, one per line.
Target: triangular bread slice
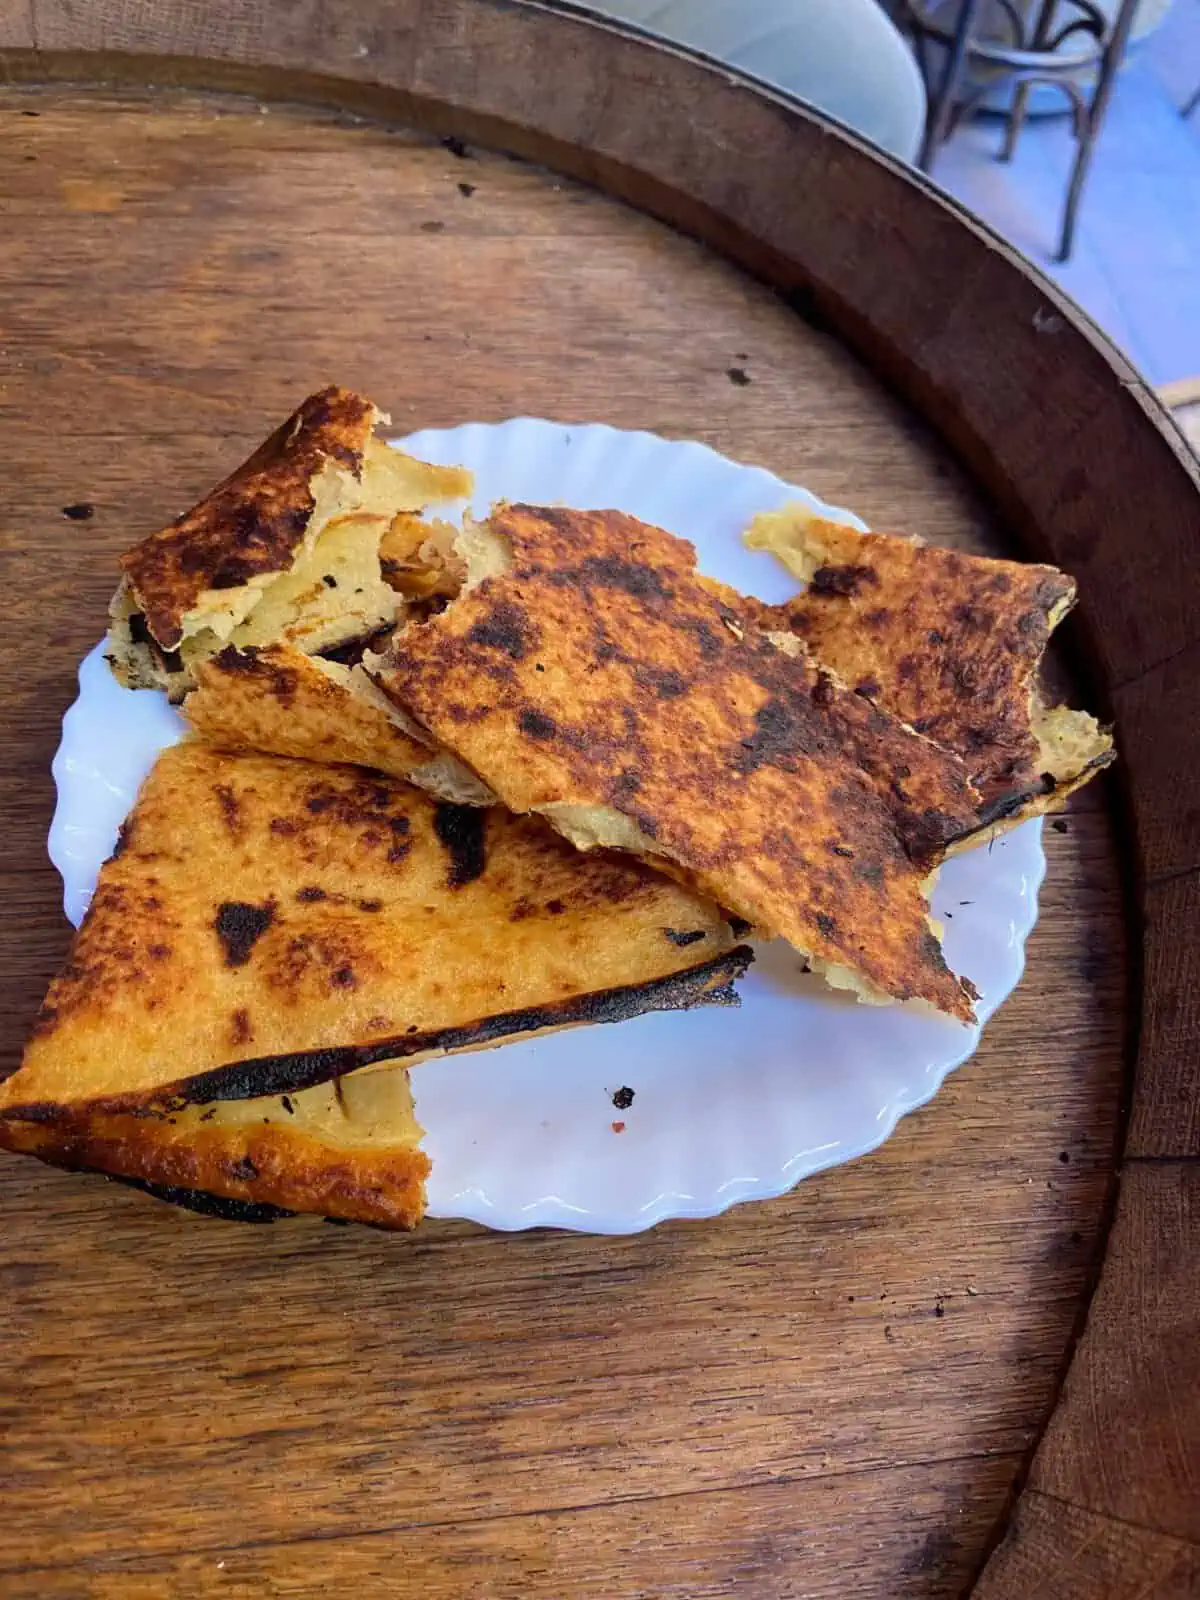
<point x="587" y="674"/>
<point x="286" y="549"/>
<point x="350" y="1149"/>
<point x="267" y="925"/>
<point x="950" y="643"/>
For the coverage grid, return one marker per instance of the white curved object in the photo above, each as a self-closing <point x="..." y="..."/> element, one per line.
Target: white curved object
<point x="728" y="1105"/>
<point x="845" y="57"/>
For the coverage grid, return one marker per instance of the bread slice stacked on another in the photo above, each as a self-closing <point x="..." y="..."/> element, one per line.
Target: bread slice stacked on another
<point x="950" y="643"/>
<point x="268" y="927"/>
<point x="284" y="551"/>
<point x="453" y="785"/>
<point x="590" y="678"/>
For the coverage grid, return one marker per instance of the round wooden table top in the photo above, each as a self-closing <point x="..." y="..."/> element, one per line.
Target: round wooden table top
<point x="839" y="1393"/>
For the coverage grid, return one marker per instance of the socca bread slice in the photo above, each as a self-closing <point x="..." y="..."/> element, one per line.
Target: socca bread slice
<point x="267" y="925"/>
<point x="286" y="549"/>
<point x="278" y="701"/>
<point x="349" y="1149"/>
<point x="586" y="673"/>
<point x="948" y="642"/>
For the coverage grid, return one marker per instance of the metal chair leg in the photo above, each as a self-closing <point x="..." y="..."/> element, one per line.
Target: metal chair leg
<point x="1016" y="120"/>
<point x="1016" y="117"/>
<point x="1079" y="172"/>
<point x="941" y="103"/>
<point x="1114" y="54"/>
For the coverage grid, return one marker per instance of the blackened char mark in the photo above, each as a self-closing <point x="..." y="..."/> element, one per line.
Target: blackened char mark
<point x="35" y="1110"/>
<point x="238" y="659"/>
<point x="845" y="580"/>
<point x="139" y="632"/>
<point x="462" y="832"/>
<point x="256" y="534"/>
<point x="710" y="983"/>
<point x="239" y="926"/>
<point x="665" y="682"/>
<point x="783" y="731"/>
<point x="274" y="679"/>
<point x="506" y="628"/>
<point x="537" y="725"/>
<point x="927" y="834"/>
<point x="1003" y="806"/>
<point x="631" y="577"/>
<point x="352" y="651"/>
<point x="207" y="1205"/>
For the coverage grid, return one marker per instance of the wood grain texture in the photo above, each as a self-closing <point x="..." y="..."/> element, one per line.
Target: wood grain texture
<point x="1019" y="409"/>
<point x="1165" y="793"/>
<point x="1165" y="1121"/>
<point x="480" y="1385"/>
<point x="786" y="1367"/>
<point x="698" y="1545"/>
<point x="1057" y="1552"/>
<point x="1131" y="1394"/>
<point x="16" y="29"/>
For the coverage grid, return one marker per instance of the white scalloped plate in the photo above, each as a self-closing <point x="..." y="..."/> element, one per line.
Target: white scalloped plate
<point x="728" y="1105"/>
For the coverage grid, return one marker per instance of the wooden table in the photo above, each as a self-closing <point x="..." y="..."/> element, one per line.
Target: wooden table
<point x="834" y="1394"/>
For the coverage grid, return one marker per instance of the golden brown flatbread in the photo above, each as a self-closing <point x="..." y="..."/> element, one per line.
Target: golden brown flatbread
<point x="286" y="549"/>
<point x="587" y="674"/>
<point x="278" y="701"/>
<point x="950" y="643"/>
<point x="267" y="925"/>
<point x="348" y="1149"/>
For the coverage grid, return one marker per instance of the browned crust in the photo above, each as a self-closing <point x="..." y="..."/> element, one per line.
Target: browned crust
<point x="948" y="642"/>
<point x="710" y="983"/>
<point x="253" y="522"/>
<point x="601" y="672"/>
<point x="268" y="1165"/>
<point x="318" y="918"/>
<point x="274" y="698"/>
